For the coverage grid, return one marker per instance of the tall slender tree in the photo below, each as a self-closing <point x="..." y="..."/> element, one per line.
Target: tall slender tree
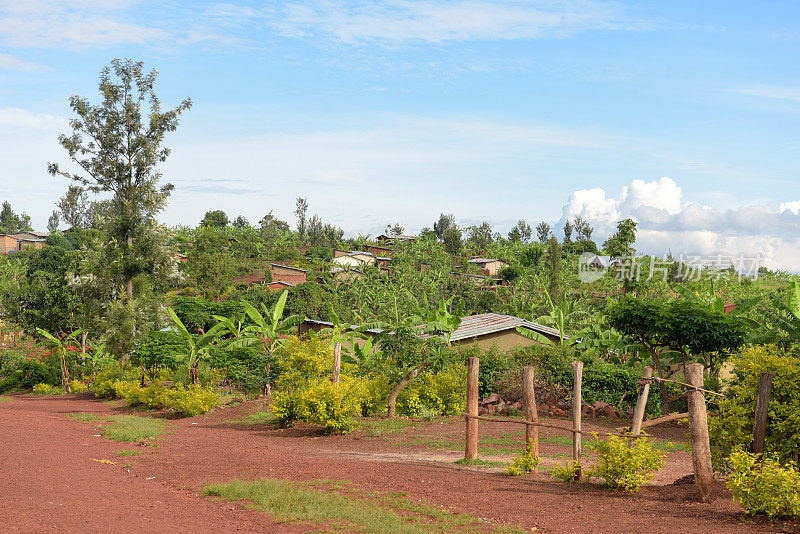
<point x="117" y="144"/>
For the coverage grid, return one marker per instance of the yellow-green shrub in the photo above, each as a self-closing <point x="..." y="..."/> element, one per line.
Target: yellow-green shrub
<point x="103" y="385"/>
<point x="523" y="464"/>
<point x="442" y="392"/>
<point x="763" y="485"/>
<point x="46" y="389"/>
<point x="732" y="427"/>
<point x="567" y="470"/>
<point x="190" y="401"/>
<point x="78" y="386"/>
<point x="622" y="464"/>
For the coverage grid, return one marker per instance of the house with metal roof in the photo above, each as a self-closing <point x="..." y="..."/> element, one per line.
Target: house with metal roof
<point x="484" y="329"/>
<point x="489" y="266"/>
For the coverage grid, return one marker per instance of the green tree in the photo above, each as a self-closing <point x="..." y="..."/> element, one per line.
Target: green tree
<point x="301" y="210"/>
<point x="216" y="219"/>
<point x="241" y="223"/>
<point x="452" y="240"/>
<point x="11" y="223"/>
<point x="543" y="232"/>
<point x="443" y="224"/>
<point x="74" y="207"/>
<point x="555" y="287"/>
<point x="481" y="236"/>
<point x="568" y="231"/>
<point x="118" y="144"/>
<point x="52" y="222"/>
<point x="521" y="232"/>
<point x="620" y="244"/>
<point x="273" y="228"/>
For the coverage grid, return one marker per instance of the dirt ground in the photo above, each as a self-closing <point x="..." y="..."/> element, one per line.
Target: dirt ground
<point x="55" y="475"/>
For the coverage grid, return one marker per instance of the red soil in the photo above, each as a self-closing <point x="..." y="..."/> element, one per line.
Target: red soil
<point x="50" y="479"/>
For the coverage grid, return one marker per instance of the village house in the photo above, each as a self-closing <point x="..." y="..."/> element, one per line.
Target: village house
<point x="353" y="259"/>
<point x="489" y="267"/>
<point x="21" y="241"/>
<point x="484" y="329"/>
<point x="386" y="238"/>
<point x="281" y="277"/>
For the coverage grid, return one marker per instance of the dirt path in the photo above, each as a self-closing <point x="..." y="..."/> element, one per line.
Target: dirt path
<point x="49" y="481"/>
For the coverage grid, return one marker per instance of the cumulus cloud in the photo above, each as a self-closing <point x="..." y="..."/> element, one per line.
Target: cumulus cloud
<point x="669" y="223"/>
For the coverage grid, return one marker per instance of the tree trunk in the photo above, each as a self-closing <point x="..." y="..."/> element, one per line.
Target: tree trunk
<point x="400" y="386"/>
<point x="129" y="283"/>
<point x="83" y="353"/>
<point x="65" y="374"/>
<point x="666" y="401"/>
<point x="195" y="372"/>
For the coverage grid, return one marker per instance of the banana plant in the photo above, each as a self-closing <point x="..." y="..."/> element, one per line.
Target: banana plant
<point x="594" y="337"/>
<point x="268" y="325"/>
<point x="782" y="319"/>
<point x="60" y="347"/>
<point x="197" y="348"/>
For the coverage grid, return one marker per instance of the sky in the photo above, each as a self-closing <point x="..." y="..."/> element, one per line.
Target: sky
<point x="682" y="115"/>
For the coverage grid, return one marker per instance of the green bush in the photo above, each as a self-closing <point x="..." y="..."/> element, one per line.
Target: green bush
<point x="189" y="401"/>
<point x="442" y="393"/>
<point x="523" y="464"/>
<point x="19" y="372"/>
<point x="622" y="464"/>
<point x="47" y="389"/>
<point x="305" y="391"/>
<point x="566" y="471"/>
<point x="763" y="485"/>
<point x="244" y="368"/>
<point x="78" y="386"/>
<point x="103" y="385"/>
<point x="732" y="427"/>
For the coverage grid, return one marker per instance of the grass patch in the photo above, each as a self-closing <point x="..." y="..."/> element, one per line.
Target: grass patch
<point x="478" y="462"/>
<point x="295" y="502"/>
<point x="128" y="452"/>
<point x="132" y="428"/>
<point x="3" y="398"/>
<point x="565" y="441"/>
<point x="398" y="425"/>
<point x="85" y="417"/>
<point x="671" y="446"/>
<point x="258" y="418"/>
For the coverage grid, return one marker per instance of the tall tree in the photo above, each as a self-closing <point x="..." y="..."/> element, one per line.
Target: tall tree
<point x="620" y="244"/>
<point x="568" y="231"/>
<point x="241" y="222"/>
<point x="583" y="229"/>
<point x="118" y="144"/>
<point x="300" y="212"/>
<point x="543" y="232"/>
<point x="555" y="286"/>
<point x="52" y="222"/>
<point x="395" y="229"/>
<point x="74" y="207"/>
<point x="11" y="223"/>
<point x="481" y="236"/>
<point x="441" y="226"/>
<point x="272" y="227"/>
<point x="521" y="232"/>
<point x="452" y="240"/>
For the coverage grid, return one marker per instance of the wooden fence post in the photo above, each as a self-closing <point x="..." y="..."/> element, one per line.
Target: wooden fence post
<point x="577" y="370"/>
<point x="337" y="362"/>
<point x="698" y="425"/>
<point x="471" y="449"/>
<point x="531" y="412"/>
<point x="641" y="403"/>
<point x="762" y="410"/>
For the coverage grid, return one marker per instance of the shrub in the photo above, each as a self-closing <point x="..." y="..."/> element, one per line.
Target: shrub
<point x="21" y="373"/>
<point x="78" y="386"/>
<point x="566" y="471"/>
<point x="732" y="427"/>
<point x="523" y="464"/>
<point x="622" y="464"/>
<point x="103" y="385"/>
<point x="305" y="391"/>
<point x="441" y="393"/>
<point x="763" y="485"/>
<point x="190" y="401"/>
<point x="47" y="389"/>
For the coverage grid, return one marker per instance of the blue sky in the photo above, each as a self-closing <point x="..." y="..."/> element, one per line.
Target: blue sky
<point x="380" y="112"/>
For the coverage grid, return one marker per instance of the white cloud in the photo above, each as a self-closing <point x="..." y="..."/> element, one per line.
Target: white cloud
<point x="15" y="118"/>
<point x="8" y="62"/>
<point x="794" y="207"/>
<point x="777" y="92"/>
<point x="397" y="21"/>
<point x="667" y="223"/>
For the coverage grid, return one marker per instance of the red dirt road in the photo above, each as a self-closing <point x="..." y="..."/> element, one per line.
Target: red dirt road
<point x="50" y="480"/>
